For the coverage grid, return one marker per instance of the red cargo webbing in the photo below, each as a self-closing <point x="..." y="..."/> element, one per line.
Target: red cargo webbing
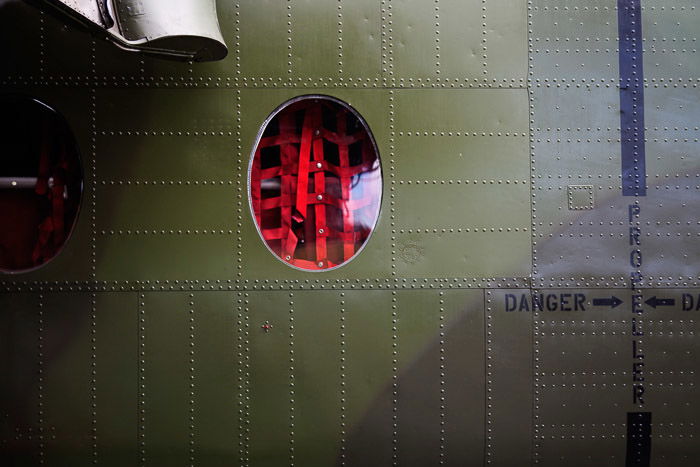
<point x="296" y="215"/>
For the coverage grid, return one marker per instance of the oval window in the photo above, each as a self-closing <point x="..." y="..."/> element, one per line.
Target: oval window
<point x="315" y="183"/>
<point x="41" y="183"/>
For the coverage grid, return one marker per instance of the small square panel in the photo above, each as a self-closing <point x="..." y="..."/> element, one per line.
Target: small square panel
<point x="580" y="197"/>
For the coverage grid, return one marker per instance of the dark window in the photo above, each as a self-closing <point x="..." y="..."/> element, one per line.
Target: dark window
<point x="40" y="183"/>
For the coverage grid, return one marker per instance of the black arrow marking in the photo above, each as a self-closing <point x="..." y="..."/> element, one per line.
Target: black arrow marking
<point x="654" y="302"/>
<point x="611" y="302"/>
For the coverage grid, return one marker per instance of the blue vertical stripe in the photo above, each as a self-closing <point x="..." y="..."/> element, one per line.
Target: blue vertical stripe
<point x="629" y="25"/>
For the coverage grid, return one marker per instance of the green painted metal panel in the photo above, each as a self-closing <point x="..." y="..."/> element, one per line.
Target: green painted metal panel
<point x="440" y="340"/>
<point x="572" y="40"/>
<point x="463" y="316"/>
<point x="113" y="65"/>
<point x="360" y="26"/>
<point x="315" y="53"/>
<point x="167" y="378"/>
<point x="455" y="253"/>
<point x="154" y="69"/>
<point x="505" y="40"/>
<point x="439" y="204"/>
<point x="164" y="110"/>
<point x="264" y="41"/>
<point x="368" y="320"/>
<point x="462" y="158"/>
<point x="417" y="392"/>
<point x="166" y="159"/>
<point x="597" y="18"/>
<point x="148" y="206"/>
<point x="519" y="388"/>
<point x="462" y="110"/>
<point x="431" y="40"/>
<point x="317" y="377"/>
<point x="59" y="37"/>
<point x="582" y="393"/>
<point x="510" y="385"/>
<point x="565" y="158"/>
<point x="564" y="100"/>
<point x="22" y="425"/>
<point x="271" y="384"/>
<point x="166" y="257"/>
<point x="217" y="368"/>
<point x="117" y="378"/>
<point x="69" y="385"/>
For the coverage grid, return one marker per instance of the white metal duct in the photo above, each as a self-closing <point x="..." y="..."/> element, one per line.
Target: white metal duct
<point x="185" y="29"/>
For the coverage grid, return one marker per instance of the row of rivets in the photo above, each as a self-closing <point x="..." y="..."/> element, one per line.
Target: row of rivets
<point x="292" y="389"/>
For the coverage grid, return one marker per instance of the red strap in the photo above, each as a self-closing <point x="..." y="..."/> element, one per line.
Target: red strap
<point x="313" y="199"/>
<point x="345" y="181"/>
<point x="319" y="187"/>
<point x="289" y="154"/>
<point x="304" y="156"/>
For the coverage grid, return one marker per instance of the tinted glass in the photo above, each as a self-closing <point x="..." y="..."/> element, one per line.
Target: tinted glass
<point x="40" y="183"/>
<point x="315" y="183"/>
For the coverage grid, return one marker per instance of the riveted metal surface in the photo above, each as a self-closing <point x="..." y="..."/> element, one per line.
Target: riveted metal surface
<point x="462" y="318"/>
<point x="58" y="37"/>
<point x="670" y="35"/>
<point x="166" y="333"/>
<point x="112" y="66"/>
<point x="167" y="377"/>
<point x="594" y="369"/>
<point x="208" y="111"/>
<point x="510" y="381"/>
<point x="504" y="42"/>
<point x="215" y="402"/>
<point x="313" y="55"/>
<point x="474" y="156"/>
<point x="22" y="423"/>
<point x="367" y="347"/>
<point x="671" y="349"/>
<point x="574" y="41"/>
<point x="265" y="47"/>
<point x="66" y="341"/>
<point x="117" y="417"/>
<point x="316" y="376"/>
<point x="460" y="45"/>
<point x="271" y="378"/>
<point x="448" y="45"/>
<point x="437" y="333"/>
